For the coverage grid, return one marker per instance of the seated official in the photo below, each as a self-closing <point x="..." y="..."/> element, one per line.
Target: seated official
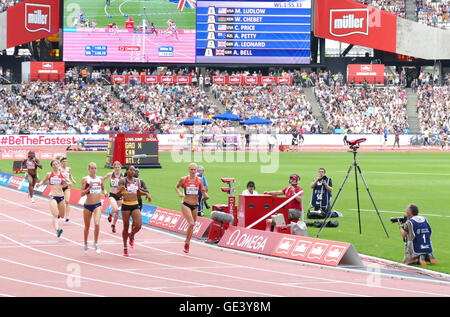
<point x="295" y="204"/>
<point x="417" y="233"/>
<point x="250" y="189"/>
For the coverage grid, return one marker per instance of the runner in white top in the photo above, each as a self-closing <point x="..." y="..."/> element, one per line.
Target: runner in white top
<point x="65" y="170"/>
<point x="92" y="187"/>
<point x="57" y="182"/>
<point x="115" y="195"/>
<point x="31" y="164"/>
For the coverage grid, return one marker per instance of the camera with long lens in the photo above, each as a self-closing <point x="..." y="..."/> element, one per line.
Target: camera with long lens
<point x="397" y="219"/>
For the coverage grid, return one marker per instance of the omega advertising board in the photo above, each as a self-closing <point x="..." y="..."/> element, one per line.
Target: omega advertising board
<point x="355" y="23"/>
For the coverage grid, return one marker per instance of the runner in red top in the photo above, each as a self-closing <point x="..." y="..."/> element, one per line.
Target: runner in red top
<point x="291" y="190"/>
<point x="192" y="185"/>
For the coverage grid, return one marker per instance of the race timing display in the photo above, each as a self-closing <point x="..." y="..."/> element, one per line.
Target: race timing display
<point x="269" y="32"/>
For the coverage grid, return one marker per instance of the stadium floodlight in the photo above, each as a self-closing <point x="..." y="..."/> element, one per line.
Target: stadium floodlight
<point x="354" y="146"/>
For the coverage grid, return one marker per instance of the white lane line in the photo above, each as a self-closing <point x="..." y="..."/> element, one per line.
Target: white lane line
<point x="266" y="270"/>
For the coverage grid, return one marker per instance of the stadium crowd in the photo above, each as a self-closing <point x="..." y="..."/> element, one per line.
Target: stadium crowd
<point x="93" y="105"/>
<point x="434" y="13"/>
<point x="67" y="108"/>
<point x="165" y="106"/>
<point x="5" y="4"/>
<point x="362" y="109"/>
<point x="433" y="108"/>
<point x="393" y="6"/>
<point x="286" y="106"/>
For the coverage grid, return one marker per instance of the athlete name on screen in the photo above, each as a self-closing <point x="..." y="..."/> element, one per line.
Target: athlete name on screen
<point x="248" y="19"/>
<point x="244" y="27"/>
<point x="250" y="11"/>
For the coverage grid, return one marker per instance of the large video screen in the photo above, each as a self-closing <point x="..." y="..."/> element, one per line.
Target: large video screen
<point x="187" y="31"/>
<point x="270" y="32"/>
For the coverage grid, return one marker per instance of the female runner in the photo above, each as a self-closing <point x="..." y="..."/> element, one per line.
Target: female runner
<point x="189" y="205"/>
<point x="32" y="163"/>
<point x="68" y="175"/>
<point x="115" y="196"/>
<point x="92" y="187"/>
<point x="130" y="187"/>
<point x="57" y="206"/>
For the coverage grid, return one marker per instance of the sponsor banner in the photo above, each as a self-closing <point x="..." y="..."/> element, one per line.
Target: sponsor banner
<point x="355" y="23"/>
<point x="16" y="181"/>
<point x="47" y="71"/>
<point x="4" y="178"/>
<point x="150" y="79"/>
<point x="292" y="247"/>
<point x="370" y="73"/>
<point x="38" y="140"/>
<point x="311" y="250"/>
<point x="251" y="240"/>
<point x="165" y="218"/>
<point x="252" y="80"/>
<point x="31" y="20"/>
<point x="283" y="140"/>
<point x="14" y="153"/>
<point x="147" y="212"/>
<point x="200" y="228"/>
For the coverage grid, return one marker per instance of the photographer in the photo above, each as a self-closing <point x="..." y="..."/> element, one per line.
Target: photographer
<point x="201" y="202"/>
<point x="417" y="233"/>
<point x="322" y="189"/>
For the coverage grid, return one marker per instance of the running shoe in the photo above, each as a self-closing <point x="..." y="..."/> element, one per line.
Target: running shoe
<point x="97" y="249"/>
<point x="186" y="248"/>
<point x="32" y="199"/>
<point x="125" y="252"/>
<point x="431" y="259"/>
<point x="132" y="242"/>
<point x="67" y="219"/>
<point x="113" y="228"/>
<point x="59" y="232"/>
<point x="110" y="217"/>
<point x="86" y="248"/>
<point x="422" y="260"/>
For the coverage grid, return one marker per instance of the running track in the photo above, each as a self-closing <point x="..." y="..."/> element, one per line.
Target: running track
<point x="34" y="262"/>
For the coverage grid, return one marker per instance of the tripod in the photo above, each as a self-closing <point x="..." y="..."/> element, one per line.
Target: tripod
<point x="354" y="165"/>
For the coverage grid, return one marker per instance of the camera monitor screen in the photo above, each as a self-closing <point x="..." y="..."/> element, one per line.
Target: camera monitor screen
<point x="187" y="31"/>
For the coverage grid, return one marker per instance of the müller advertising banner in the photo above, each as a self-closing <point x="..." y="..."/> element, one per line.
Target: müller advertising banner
<point x="355" y="23"/>
<point x="371" y="73"/>
<point x="31" y="20"/>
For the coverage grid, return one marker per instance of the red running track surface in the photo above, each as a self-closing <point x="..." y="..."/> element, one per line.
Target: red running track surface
<point x="34" y="262"/>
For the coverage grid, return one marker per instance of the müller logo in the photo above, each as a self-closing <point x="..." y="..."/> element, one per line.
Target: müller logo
<point x="344" y="22"/>
<point x="37" y="17"/>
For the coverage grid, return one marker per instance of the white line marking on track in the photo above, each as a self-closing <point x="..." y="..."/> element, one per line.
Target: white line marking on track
<point x="131" y="258"/>
<point x="48" y="286"/>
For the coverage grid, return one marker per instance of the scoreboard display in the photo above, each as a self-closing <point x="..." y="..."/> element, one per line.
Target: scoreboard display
<point x="140" y="150"/>
<point x="262" y="32"/>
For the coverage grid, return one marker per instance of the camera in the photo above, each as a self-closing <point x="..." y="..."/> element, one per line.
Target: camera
<point x="323" y="178"/>
<point x="401" y="219"/>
